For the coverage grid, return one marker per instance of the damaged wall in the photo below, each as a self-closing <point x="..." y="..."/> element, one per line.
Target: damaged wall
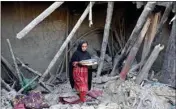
<point x="41" y="44"/>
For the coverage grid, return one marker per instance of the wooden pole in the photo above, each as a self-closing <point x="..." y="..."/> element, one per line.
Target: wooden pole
<point x="9" y="66"/>
<point x="58" y="54"/>
<point x="148" y="64"/>
<point x="35" y="72"/>
<point x="6" y="85"/>
<point x="66" y="51"/>
<point x="38" y="19"/>
<point x="150" y="36"/>
<point x="30" y="69"/>
<point x="134" y="51"/>
<point x="14" y="61"/>
<point x="135" y="33"/>
<point x="105" y="36"/>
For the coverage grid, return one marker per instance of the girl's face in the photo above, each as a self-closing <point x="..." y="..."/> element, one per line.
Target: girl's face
<point x="84" y="47"/>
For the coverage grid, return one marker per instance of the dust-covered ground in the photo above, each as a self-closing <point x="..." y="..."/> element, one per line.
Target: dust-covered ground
<point x="126" y="95"/>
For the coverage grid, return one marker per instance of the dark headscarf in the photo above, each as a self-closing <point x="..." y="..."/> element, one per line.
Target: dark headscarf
<point x="78" y="56"/>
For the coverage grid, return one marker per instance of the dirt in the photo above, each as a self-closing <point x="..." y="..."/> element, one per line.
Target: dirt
<point x="126" y="95"/>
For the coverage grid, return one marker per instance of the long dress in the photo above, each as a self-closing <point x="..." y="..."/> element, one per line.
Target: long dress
<point x="80" y="76"/>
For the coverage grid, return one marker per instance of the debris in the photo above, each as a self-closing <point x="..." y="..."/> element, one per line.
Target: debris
<point x="66" y="42"/>
<point x="103" y="79"/>
<point x="30" y="69"/>
<point x="6" y="85"/>
<point x="134" y="51"/>
<point x="14" y="61"/>
<point x="8" y="65"/>
<point x="150" y="36"/>
<point x="144" y="71"/>
<point x="32" y="100"/>
<point x="134" y="35"/>
<point x="24" y="87"/>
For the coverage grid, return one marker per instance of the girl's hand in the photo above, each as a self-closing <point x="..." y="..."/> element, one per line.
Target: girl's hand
<point x="75" y="63"/>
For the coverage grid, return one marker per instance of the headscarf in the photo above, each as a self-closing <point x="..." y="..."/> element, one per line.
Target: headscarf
<point x="79" y="55"/>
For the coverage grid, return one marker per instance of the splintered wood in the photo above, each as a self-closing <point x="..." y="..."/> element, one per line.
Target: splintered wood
<point x="134" y="35"/>
<point x="134" y="51"/>
<point x="150" y="36"/>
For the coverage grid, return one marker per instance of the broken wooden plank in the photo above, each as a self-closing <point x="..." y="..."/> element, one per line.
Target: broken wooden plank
<point x="35" y="72"/>
<point x="134" y="35"/>
<point x="30" y="69"/>
<point x="105" y="36"/>
<point x="6" y="85"/>
<point x="58" y="54"/>
<point x="150" y="36"/>
<point x="14" y="61"/>
<point x="145" y="70"/>
<point x="134" y="51"/>
<point x="9" y="66"/>
<point x="39" y="18"/>
<point x="140" y="23"/>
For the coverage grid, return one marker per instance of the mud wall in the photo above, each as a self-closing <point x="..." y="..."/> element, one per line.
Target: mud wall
<point x="40" y="45"/>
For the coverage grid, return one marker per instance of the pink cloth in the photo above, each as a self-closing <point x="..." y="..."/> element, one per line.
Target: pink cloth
<point x="19" y="106"/>
<point x="74" y="99"/>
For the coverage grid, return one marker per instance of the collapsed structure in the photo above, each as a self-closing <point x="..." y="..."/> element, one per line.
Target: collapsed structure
<point x="117" y="55"/>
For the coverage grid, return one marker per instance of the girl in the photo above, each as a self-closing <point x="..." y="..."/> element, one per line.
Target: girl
<point x="80" y="76"/>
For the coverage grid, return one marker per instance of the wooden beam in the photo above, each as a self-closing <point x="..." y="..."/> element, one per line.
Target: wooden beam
<point x="134" y="51"/>
<point x="30" y="69"/>
<point x="148" y="64"/>
<point x="150" y="36"/>
<point x="135" y="33"/>
<point x="66" y="51"/>
<point x="38" y="19"/>
<point x="14" y="61"/>
<point x="35" y="72"/>
<point x="72" y="33"/>
<point x="105" y="36"/>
